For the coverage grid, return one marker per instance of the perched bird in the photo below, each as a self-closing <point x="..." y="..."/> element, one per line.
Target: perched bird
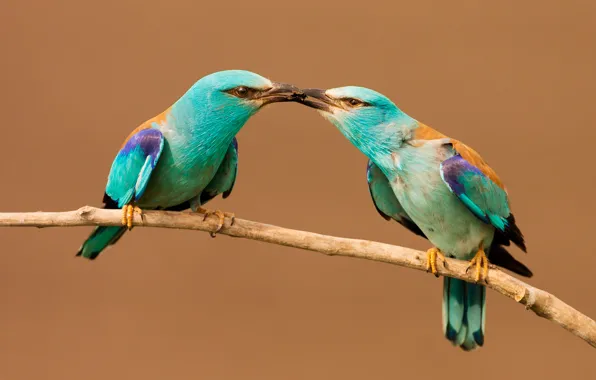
<point x="435" y="186"/>
<point x="186" y="155"/>
<point x="388" y="207"/>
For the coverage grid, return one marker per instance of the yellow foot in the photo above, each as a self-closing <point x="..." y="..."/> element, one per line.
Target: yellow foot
<point x="431" y="260"/>
<point x="221" y="215"/>
<point x="480" y="261"/>
<point x="128" y="215"/>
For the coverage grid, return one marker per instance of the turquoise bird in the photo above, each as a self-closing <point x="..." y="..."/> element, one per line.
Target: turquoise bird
<point x="186" y="155"/>
<point x="435" y="186"/>
<point x="388" y="207"/>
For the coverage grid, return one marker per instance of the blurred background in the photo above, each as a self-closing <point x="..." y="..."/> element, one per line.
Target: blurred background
<point x="515" y="80"/>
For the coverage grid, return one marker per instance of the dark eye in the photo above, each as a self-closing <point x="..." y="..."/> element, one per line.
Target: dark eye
<point x="352" y="102"/>
<point x="241" y="92"/>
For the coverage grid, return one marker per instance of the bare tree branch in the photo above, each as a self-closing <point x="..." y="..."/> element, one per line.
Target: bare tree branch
<point x="542" y="303"/>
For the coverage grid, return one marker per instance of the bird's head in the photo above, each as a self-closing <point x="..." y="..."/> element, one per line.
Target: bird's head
<point x="240" y="93"/>
<point x="223" y="102"/>
<point x="370" y="120"/>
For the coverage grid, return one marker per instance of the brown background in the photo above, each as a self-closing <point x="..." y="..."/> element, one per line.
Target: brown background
<point x="515" y="81"/>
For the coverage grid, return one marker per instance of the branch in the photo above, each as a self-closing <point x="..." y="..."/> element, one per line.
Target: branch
<point x="539" y="301"/>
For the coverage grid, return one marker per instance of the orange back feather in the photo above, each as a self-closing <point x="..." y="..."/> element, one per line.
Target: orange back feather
<point x="424" y="132"/>
<point x="159" y="119"/>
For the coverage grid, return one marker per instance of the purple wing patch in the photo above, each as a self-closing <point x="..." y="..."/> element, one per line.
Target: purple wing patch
<point x="451" y="170"/>
<point x="133" y="166"/>
<point x="149" y="140"/>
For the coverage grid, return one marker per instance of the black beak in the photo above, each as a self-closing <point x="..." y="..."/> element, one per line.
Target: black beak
<point x="281" y="92"/>
<point x="316" y="98"/>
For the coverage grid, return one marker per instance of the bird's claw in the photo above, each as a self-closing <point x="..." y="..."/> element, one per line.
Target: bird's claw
<point x="480" y="262"/>
<point x="221" y="215"/>
<point x="128" y="212"/>
<point x="431" y="260"/>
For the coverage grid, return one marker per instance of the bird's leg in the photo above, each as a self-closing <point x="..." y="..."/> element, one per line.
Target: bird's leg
<point x="480" y="261"/>
<point x="431" y="260"/>
<point x="221" y="215"/>
<point x="128" y="212"/>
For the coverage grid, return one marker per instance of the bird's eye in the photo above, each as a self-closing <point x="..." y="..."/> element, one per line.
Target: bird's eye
<point x="352" y="102"/>
<point x="241" y="91"/>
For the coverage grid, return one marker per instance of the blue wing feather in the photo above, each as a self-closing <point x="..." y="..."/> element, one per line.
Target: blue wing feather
<point x="484" y="198"/>
<point x="225" y="177"/>
<point x="133" y="166"/>
<point x="233" y="157"/>
<point x="479" y="193"/>
<point x="375" y="187"/>
<point x="385" y="200"/>
<point x="128" y="179"/>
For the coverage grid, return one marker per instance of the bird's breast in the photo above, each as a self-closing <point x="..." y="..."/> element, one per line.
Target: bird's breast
<point x="184" y="169"/>
<point x="443" y="218"/>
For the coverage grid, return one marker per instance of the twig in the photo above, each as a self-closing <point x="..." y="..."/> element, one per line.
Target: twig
<point x="542" y="303"/>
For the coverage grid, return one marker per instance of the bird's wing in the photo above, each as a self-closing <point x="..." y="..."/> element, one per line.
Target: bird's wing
<point x="385" y="200"/>
<point x="480" y="189"/>
<point x="225" y="177"/>
<point x="133" y="167"/>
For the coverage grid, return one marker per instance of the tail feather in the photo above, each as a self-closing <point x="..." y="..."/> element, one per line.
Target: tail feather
<point x="464" y="313"/>
<point x="513" y="232"/>
<point x="100" y="239"/>
<point x="501" y="257"/>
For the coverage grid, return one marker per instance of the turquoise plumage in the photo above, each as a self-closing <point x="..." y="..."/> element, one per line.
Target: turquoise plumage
<point x="188" y="154"/>
<point x="385" y="200"/>
<point x="435" y="186"/>
<point x="389" y="208"/>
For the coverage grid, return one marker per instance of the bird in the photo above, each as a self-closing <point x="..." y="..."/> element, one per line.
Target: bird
<point x="186" y="155"/>
<point x="388" y="206"/>
<point x="437" y="187"/>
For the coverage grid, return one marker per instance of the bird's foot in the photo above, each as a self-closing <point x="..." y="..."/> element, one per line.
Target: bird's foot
<point x="431" y="260"/>
<point x="128" y="212"/>
<point x="480" y="261"/>
<point x="221" y="215"/>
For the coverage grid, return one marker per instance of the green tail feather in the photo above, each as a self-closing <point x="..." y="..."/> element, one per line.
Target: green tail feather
<point x="100" y="239"/>
<point x="464" y="313"/>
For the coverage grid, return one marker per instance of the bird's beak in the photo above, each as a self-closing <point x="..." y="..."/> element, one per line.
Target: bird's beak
<point x="317" y="99"/>
<point x="281" y="92"/>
